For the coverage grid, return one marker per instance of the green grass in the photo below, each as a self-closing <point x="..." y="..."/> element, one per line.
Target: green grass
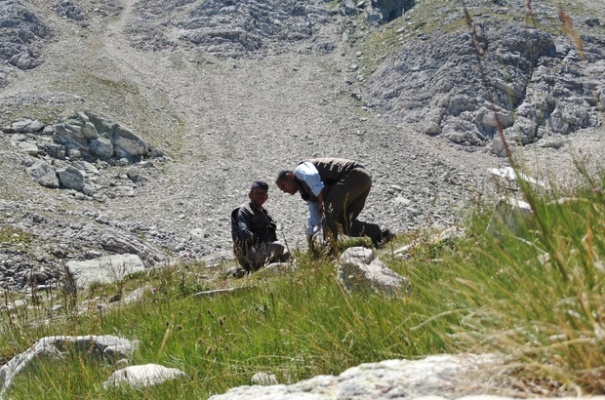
<point x="11" y="236"/>
<point x="535" y="293"/>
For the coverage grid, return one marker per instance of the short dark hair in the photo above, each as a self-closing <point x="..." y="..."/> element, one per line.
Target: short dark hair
<point x="259" y="185"/>
<point x="282" y="175"/>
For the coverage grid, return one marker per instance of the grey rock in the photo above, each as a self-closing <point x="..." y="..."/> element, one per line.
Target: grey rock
<point x="54" y="150"/>
<point x="44" y="174"/>
<point x="547" y="85"/>
<point x="264" y="378"/>
<point x="140" y="376"/>
<point x="88" y="130"/>
<point x="108" y="347"/>
<point x="89" y="189"/>
<point x="443" y="376"/>
<point x="383" y="11"/>
<point x="106" y="269"/>
<point x="71" y="178"/>
<point x="70" y="10"/>
<point x="128" y="145"/>
<point x="73" y="154"/>
<point x="215" y="259"/>
<point x="29" y="147"/>
<point x="101" y="147"/>
<point x="209" y="26"/>
<point x="511" y="213"/>
<point x="23" y="32"/>
<point x="69" y="133"/>
<point x="24" y="125"/>
<point x="359" y="269"/>
<point x="137" y="175"/>
<point x="506" y="180"/>
<point x="348" y="7"/>
<point x="87" y="167"/>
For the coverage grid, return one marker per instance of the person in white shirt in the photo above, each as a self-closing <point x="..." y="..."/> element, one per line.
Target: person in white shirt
<point x="335" y="190"/>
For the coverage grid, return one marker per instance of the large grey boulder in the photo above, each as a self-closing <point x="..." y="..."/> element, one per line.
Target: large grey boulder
<point x="44" y="174"/>
<point x="69" y="133"/>
<point x="359" y="269"/>
<point x="24" y="125"/>
<point x="101" y="147"/>
<point x="97" y="138"/>
<point x="106" y="269"/>
<point x="71" y="178"/>
<point x="29" y="147"/>
<point x="128" y="145"/>
<point x="438" y="377"/>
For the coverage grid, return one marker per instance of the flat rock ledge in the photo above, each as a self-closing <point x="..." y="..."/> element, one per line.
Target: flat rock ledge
<point x="468" y="377"/>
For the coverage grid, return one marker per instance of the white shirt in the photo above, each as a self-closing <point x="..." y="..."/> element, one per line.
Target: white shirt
<point x="307" y="173"/>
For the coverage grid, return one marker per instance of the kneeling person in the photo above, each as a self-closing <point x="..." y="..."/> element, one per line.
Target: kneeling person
<point x="253" y="231"/>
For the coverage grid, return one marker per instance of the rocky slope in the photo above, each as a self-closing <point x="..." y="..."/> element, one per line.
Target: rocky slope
<point x="233" y="91"/>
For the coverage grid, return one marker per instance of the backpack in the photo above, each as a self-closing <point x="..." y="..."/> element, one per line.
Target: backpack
<point x="239" y="247"/>
<point x="234" y="224"/>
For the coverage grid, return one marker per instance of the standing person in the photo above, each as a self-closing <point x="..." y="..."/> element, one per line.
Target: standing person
<point x="253" y="231"/>
<point x="335" y="189"/>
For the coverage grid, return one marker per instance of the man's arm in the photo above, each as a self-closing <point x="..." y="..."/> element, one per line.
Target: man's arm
<point x="314" y="221"/>
<point x="310" y="175"/>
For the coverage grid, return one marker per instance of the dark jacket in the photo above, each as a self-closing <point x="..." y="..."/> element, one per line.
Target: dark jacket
<point x="252" y="225"/>
<point x="330" y="170"/>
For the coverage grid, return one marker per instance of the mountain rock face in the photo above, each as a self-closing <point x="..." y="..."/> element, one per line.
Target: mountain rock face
<point x="226" y="28"/>
<point x="22" y="32"/>
<point x="133" y="127"/>
<point x="463" y="85"/>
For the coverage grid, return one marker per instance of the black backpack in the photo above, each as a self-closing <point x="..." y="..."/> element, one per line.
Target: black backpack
<point x="239" y="247"/>
<point x="234" y="224"/>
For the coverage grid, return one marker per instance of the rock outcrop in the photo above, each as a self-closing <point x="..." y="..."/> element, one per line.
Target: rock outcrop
<point x="463" y="84"/>
<point x="22" y="32"/>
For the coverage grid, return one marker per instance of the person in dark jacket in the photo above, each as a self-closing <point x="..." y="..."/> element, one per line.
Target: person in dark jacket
<point x="253" y="231"/>
<point x="335" y="190"/>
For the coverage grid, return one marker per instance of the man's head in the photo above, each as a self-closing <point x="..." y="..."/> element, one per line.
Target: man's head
<point x="286" y="182"/>
<point x="258" y="192"/>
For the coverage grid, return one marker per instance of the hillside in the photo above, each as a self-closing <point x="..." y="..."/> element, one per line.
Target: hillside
<point x="230" y="92"/>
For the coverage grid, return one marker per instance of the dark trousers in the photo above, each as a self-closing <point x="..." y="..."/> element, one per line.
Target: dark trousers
<point x="253" y="256"/>
<point x="343" y="204"/>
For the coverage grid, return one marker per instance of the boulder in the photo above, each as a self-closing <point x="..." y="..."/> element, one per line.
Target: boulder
<point x="105" y="347"/>
<point x="105" y="269"/>
<point x="441" y="377"/>
<point x="24" y="125"/>
<point x="359" y="269"/>
<point x="44" y="174"/>
<point x="71" y="178"/>
<point x="140" y="376"/>
<point x="128" y="145"/>
<point x="510" y="213"/>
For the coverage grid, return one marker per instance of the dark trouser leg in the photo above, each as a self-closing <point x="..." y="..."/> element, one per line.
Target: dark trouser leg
<point x="240" y="251"/>
<point x="266" y="253"/>
<point x="344" y="203"/>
